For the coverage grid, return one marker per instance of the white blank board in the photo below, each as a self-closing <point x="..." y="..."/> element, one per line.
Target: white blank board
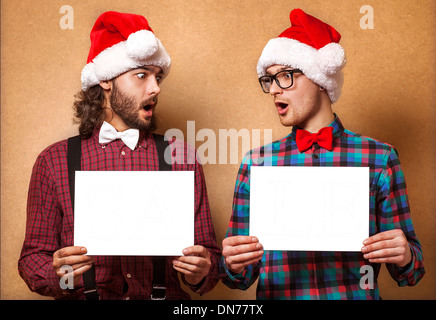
<point x="309" y="208"/>
<point x="134" y="212"/>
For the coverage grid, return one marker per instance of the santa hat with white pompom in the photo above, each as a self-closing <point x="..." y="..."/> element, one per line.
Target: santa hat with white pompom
<point x="311" y="46"/>
<point x="121" y="42"/>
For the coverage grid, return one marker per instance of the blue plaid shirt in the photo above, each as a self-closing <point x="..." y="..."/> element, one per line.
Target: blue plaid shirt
<point x="327" y="275"/>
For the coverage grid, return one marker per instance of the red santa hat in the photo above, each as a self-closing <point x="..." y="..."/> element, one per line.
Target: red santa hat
<point x="121" y="42"/>
<point x="311" y="46"/>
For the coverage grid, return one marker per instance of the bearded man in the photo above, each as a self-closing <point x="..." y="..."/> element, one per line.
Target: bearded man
<point x="115" y="111"/>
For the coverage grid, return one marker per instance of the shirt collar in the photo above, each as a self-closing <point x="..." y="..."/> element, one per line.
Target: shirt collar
<point x="338" y="128"/>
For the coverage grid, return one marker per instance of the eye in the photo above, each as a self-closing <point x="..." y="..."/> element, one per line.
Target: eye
<point x="158" y="79"/>
<point x="141" y="75"/>
<point x="266" y="79"/>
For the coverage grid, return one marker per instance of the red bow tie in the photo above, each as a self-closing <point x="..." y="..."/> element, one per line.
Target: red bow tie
<point x="324" y="138"/>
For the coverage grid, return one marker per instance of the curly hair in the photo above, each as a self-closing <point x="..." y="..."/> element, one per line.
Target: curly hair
<point x="89" y="110"/>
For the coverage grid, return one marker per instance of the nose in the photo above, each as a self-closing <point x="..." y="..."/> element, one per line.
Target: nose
<point x="275" y="89"/>
<point x="153" y="86"/>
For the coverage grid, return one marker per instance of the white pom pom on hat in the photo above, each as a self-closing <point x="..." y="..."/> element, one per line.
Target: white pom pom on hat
<point x="311" y="46"/>
<point x="141" y="44"/>
<point x="121" y="42"/>
<point x="330" y="58"/>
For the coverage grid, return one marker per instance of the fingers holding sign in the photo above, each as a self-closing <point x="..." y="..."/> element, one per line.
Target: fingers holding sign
<point x="195" y="264"/>
<point x="388" y="247"/>
<point x="241" y="251"/>
<point x="76" y="258"/>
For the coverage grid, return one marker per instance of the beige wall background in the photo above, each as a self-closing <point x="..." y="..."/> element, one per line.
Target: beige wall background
<point x="388" y="94"/>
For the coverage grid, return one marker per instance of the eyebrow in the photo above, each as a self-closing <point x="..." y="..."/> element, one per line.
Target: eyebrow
<point x="281" y="69"/>
<point x="147" y="68"/>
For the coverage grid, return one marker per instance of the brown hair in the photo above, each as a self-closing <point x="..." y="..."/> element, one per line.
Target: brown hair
<point x="89" y="110"/>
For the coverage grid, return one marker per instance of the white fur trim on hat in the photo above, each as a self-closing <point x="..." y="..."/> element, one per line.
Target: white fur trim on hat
<point x="322" y="66"/>
<point x="140" y="49"/>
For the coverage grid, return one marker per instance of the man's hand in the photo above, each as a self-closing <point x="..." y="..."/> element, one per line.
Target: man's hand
<point x="388" y="247"/>
<point x="195" y="264"/>
<point x="241" y="251"/>
<point x="74" y="257"/>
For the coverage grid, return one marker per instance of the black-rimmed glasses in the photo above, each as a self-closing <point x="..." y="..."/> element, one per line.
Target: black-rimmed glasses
<point x="284" y="79"/>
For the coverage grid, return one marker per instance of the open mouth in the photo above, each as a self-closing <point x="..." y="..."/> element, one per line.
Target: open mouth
<point x="149" y="104"/>
<point x="281" y="107"/>
<point x="148" y="107"/>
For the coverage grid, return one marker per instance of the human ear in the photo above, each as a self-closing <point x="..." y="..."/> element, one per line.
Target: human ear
<point x="106" y="84"/>
<point x="107" y="91"/>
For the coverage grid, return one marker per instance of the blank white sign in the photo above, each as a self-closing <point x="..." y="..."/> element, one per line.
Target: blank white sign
<point x="309" y="208"/>
<point x="134" y="212"/>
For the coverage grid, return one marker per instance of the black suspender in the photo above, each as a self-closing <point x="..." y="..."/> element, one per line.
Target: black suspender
<point x="161" y="146"/>
<point x="74" y="157"/>
<point x="159" y="284"/>
<point x="74" y="164"/>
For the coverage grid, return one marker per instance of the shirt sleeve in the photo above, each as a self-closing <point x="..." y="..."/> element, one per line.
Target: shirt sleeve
<point x="394" y="213"/>
<point x="203" y="227"/>
<point x="239" y="225"/>
<point x="43" y="216"/>
<point x="204" y="231"/>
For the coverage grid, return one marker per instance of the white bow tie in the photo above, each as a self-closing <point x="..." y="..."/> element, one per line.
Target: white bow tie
<point x="108" y="134"/>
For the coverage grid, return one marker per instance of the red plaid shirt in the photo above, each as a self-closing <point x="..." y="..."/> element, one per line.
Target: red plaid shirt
<point x="50" y="221"/>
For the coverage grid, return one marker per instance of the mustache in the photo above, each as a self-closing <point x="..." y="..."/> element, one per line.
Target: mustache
<point x="148" y="102"/>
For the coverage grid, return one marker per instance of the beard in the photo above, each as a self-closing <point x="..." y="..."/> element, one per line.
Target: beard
<point x="128" y="110"/>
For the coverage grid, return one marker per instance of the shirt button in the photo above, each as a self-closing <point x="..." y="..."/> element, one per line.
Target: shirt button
<point x="123" y="153"/>
<point x="315" y="156"/>
<point x="128" y="275"/>
<point x="127" y="298"/>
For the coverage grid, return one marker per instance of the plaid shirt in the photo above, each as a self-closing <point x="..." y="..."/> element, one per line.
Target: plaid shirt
<point x="50" y="221"/>
<point x="327" y="275"/>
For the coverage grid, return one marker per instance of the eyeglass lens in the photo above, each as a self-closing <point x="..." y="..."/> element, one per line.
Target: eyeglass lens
<point x="284" y="80"/>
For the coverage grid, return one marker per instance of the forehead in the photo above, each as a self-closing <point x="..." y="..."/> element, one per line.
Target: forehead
<point x="277" y="68"/>
<point x="143" y="69"/>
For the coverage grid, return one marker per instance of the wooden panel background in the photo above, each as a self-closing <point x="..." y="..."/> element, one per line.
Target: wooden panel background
<point x="388" y="94"/>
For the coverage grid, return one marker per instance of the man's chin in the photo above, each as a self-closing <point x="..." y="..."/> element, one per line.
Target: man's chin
<point x="286" y="122"/>
<point x="148" y="125"/>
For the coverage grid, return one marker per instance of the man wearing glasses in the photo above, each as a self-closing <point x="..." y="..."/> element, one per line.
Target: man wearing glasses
<point x="301" y="69"/>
